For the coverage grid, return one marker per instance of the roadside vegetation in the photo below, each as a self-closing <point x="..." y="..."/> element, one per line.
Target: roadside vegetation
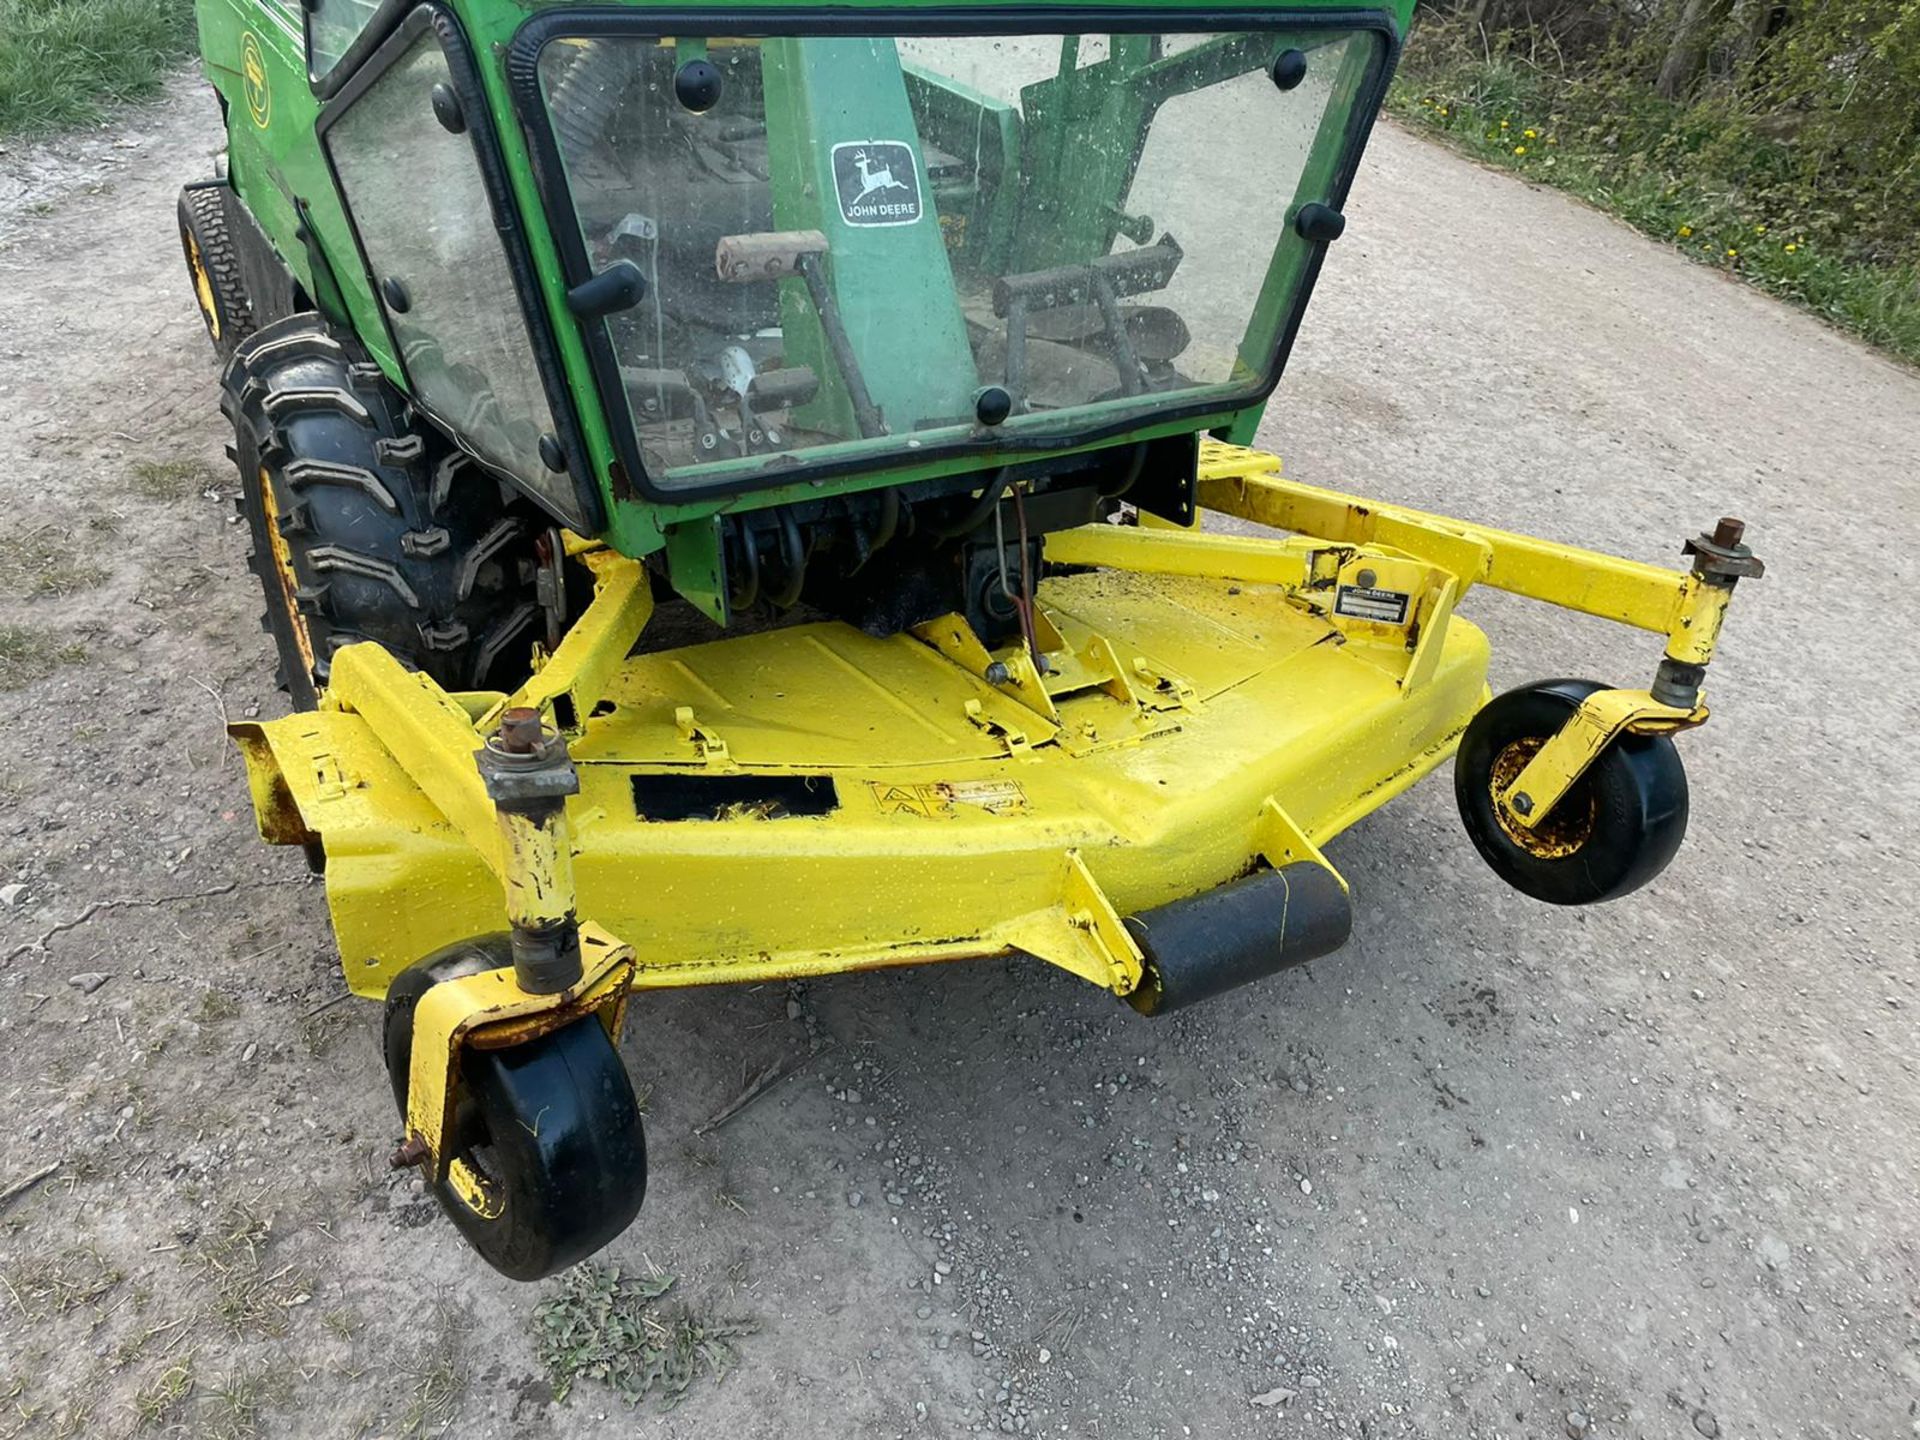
<point x="1778" y="142"/>
<point x="69" y="62"/>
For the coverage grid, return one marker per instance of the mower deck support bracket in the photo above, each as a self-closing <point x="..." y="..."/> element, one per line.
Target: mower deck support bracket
<point x="1602" y="718"/>
<point x="1281" y="842"/>
<point x="1093" y="943"/>
<point x="1090" y="912"/>
<point x="428" y="734"/>
<point x="1687" y="608"/>
<point x="1627" y="592"/>
<point x="574" y="678"/>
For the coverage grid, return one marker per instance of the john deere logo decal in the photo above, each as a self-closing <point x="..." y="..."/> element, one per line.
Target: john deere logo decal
<point x="876" y="182"/>
<point x="253" y="78"/>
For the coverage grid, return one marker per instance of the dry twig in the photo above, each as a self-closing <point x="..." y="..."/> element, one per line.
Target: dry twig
<point x="765" y="1081"/>
<point x="20" y="1187"/>
<point x="39" y="945"/>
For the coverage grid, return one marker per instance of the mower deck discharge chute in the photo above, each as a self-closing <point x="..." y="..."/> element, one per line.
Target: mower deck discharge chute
<point x="893" y="357"/>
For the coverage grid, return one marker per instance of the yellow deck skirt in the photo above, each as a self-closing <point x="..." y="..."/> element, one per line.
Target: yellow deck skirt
<point x="954" y="834"/>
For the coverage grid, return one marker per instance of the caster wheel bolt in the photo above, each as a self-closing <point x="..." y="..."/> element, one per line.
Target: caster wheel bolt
<point x="411" y="1152"/>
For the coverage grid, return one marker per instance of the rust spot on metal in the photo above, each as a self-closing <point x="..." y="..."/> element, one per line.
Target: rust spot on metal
<point x="520" y="730"/>
<point x="274" y="807"/>
<point x="519" y="1029"/>
<point x="1564" y="831"/>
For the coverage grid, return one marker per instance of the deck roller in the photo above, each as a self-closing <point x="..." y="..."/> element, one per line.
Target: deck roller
<point x="1240" y="932"/>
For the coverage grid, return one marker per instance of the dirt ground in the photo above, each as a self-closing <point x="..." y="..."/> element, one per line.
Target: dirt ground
<point x="1495" y="1169"/>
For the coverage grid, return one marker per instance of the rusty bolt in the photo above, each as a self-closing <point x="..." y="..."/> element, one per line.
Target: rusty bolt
<point x="411" y="1152"/>
<point x="521" y="730"/>
<point x="1729" y="532"/>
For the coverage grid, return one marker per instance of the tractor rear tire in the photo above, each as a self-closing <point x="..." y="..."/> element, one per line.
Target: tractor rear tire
<point x="214" y="267"/>
<point x="368" y="526"/>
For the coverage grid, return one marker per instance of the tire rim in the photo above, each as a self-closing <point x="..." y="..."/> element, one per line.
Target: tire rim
<point x="473" y="1172"/>
<point x="1564" y="831"/>
<point x="282" y="557"/>
<point x="202" y="284"/>
<point x="475" y="1189"/>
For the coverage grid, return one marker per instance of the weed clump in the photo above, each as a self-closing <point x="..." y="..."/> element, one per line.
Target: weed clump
<point x="609" y="1327"/>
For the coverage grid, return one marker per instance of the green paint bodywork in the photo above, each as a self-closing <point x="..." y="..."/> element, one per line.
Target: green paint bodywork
<point x="254" y="54"/>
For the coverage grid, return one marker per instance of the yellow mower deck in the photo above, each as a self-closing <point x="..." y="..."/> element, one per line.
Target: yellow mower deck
<point x="1216" y="703"/>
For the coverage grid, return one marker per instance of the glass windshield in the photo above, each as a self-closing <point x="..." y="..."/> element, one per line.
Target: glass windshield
<point x="844" y="241"/>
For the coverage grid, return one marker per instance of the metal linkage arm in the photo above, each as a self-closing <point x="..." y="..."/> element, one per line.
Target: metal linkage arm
<point x="1687" y="608"/>
<point x="575" y="677"/>
<point x="1625" y="591"/>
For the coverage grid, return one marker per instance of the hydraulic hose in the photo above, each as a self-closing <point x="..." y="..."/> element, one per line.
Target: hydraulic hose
<point x="1138" y="464"/>
<point x="793" y="555"/>
<point x="983" y="509"/>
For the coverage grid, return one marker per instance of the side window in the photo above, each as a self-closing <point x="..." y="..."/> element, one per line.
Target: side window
<point x="418" y="200"/>
<point x="332" y="26"/>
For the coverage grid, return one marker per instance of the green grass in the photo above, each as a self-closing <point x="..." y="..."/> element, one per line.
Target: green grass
<point x="1697" y="182"/>
<point x="168" y="479"/>
<point x="44" y="562"/>
<point x="68" y="62"/>
<point x="28" y="655"/>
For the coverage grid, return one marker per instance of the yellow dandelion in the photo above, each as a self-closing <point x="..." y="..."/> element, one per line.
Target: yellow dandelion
<point x="1759" y="229"/>
<point x="1503" y="124"/>
<point x="1686" y="232"/>
<point x="1519" y="149"/>
<point x="1444" y="112"/>
<point x="1733" y="254"/>
<point x="1791" y="247"/>
<point x="1533" y="134"/>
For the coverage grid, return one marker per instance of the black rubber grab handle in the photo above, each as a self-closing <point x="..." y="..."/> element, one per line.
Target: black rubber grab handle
<point x="620" y="286"/>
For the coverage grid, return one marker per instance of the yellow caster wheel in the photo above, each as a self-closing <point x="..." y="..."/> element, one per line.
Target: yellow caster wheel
<point x="1611" y="833"/>
<point x="550" y="1158"/>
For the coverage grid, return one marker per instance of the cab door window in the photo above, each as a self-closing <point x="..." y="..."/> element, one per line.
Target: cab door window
<point x="417" y="198"/>
<point x="332" y="27"/>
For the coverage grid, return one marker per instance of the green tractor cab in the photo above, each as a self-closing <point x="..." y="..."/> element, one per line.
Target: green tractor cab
<point x="727" y="487"/>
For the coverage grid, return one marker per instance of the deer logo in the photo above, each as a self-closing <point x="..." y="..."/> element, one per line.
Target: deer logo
<point x="873" y="178"/>
<point x="878" y="182"/>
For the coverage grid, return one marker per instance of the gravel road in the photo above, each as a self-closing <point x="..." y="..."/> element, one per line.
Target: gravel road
<point x="1495" y="1169"/>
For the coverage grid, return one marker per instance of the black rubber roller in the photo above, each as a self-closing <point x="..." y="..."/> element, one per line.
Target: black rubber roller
<point x="1244" y="931"/>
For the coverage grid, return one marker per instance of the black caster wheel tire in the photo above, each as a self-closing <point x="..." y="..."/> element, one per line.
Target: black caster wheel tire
<point x="550" y="1154"/>
<point x="1615" y="830"/>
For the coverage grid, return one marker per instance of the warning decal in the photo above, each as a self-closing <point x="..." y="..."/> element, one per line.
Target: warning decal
<point x="1384" y="607"/>
<point x="995" y="797"/>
